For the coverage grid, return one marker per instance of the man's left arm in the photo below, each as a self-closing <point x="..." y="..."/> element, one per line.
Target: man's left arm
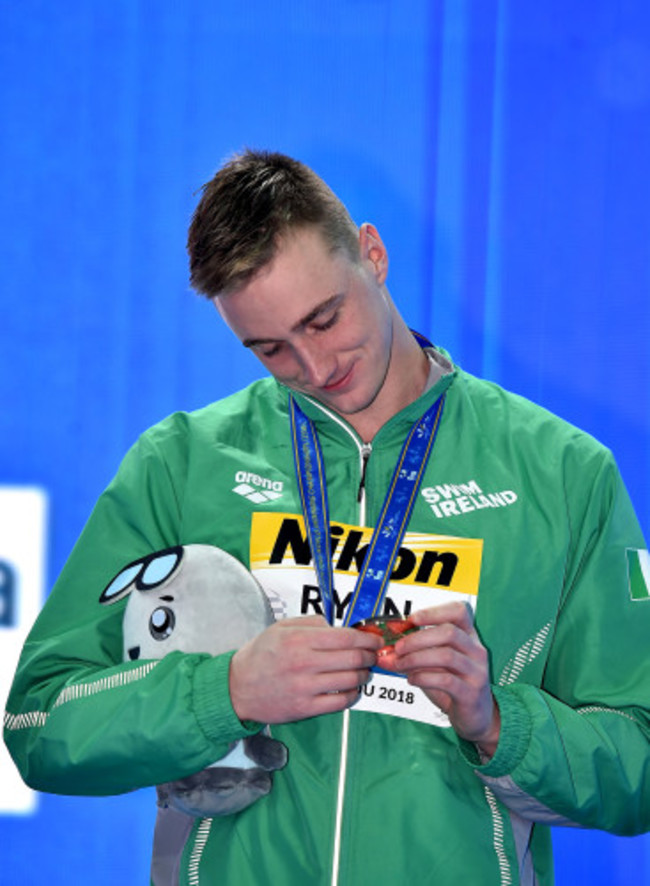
<point x="576" y="750"/>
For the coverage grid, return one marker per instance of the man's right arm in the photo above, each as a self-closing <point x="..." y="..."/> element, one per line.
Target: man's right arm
<point x="78" y="719"/>
<point x="81" y="721"/>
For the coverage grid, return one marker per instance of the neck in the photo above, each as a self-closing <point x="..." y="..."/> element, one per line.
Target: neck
<point x="406" y="378"/>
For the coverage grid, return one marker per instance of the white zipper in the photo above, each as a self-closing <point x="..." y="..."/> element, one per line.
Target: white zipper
<point x="338" y="822"/>
<point x="364" y="454"/>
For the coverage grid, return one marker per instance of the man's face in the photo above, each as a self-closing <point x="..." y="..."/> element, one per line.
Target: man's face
<point x="319" y="322"/>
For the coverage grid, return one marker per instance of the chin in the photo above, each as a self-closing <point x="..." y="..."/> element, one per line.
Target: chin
<point x="351" y="404"/>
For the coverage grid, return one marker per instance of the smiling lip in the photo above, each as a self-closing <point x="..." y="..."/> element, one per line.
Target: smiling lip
<point x="340" y="384"/>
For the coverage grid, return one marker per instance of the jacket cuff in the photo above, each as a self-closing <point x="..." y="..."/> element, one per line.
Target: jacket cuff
<point x="212" y="705"/>
<point x="514" y="738"/>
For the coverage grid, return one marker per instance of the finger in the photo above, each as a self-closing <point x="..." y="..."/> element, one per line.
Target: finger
<point x="315" y="705"/>
<point x="461" y="614"/>
<point x="471" y="664"/>
<point x="440" y="660"/>
<point x="344" y="660"/>
<point x="436" y="636"/>
<point x="332" y="702"/>
<point x="441" y="680"/>
<point x="306" y="664"/>
<point x="341" y="681"/>
<point x="324" y="636"/>
<point x="345" y="638"/>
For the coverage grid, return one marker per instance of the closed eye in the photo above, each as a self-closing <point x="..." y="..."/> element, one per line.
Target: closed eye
<point x="269" y="350"/>
<point x="329" y="310"/>
<point x="327" y="324"/>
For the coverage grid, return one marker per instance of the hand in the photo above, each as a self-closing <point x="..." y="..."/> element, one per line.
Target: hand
<point x="298" y="668"/>
<point x="449" y="663"/>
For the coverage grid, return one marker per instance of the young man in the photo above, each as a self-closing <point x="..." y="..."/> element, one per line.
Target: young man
<point x="505" y="534"/>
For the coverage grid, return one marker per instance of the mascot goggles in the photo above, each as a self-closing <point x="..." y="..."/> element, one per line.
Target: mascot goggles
<point x="146" y="573"/>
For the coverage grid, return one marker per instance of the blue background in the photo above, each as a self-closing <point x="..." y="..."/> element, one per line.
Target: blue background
<point x="501" y="148"/>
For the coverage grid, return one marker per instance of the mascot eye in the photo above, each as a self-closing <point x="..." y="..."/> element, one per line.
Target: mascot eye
<point x="161" y="623"/>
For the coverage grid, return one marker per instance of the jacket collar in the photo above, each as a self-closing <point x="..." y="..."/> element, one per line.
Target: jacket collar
<point x="331" y="424"/>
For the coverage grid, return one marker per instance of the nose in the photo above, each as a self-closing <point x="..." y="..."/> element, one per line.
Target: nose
<point x="317" y="366"/>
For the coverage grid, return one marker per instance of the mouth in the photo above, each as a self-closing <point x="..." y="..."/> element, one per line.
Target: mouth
<point x="340" y="384"/>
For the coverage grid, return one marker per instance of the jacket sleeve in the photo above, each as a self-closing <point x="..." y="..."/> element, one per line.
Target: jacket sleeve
<point x="78" y="719"/>
<point x="577" y="751"/>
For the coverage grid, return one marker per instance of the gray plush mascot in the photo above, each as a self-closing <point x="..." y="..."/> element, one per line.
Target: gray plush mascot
<point x="198" y="598"/>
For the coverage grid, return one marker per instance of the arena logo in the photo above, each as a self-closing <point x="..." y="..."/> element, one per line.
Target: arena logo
<point x="454" y="500"/>
<point x="259" y="490"/>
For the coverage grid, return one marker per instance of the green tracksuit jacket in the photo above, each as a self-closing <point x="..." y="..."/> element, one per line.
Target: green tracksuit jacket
<point x="519" y="513"/>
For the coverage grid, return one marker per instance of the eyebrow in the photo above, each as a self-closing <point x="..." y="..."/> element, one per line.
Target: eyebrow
<point x="322" y="308"/>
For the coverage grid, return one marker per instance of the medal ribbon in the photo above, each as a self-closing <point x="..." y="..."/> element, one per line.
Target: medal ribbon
<point x="372" y="583"/>
<point x="310" y="473"/>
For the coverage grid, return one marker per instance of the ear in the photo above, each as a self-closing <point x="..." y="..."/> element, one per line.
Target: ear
<point x="372" y="249"/>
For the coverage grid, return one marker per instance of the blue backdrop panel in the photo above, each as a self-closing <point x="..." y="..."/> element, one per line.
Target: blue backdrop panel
<point x="501" y="148"/>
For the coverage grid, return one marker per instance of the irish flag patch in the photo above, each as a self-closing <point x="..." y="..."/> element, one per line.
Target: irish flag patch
<point x="638" y="570"/>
